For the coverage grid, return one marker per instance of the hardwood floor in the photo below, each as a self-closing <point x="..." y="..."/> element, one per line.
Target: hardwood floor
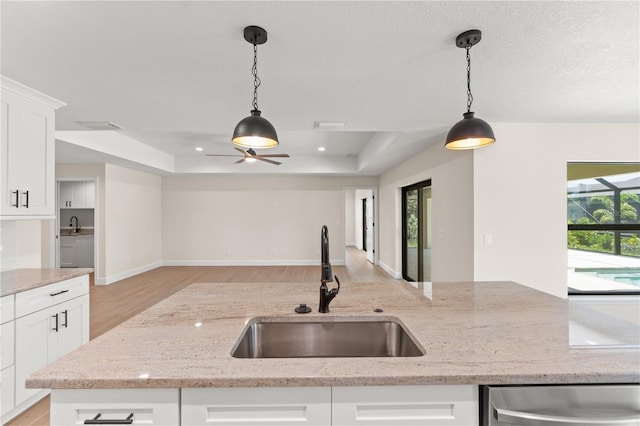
<point x="113" y="304"/>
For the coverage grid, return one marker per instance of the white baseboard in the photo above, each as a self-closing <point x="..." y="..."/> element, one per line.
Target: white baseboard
<point x="390" y="271"/>
<point x="232" y="262"/>
<point x="350" y="244"/>
<point x="127" y="274"/>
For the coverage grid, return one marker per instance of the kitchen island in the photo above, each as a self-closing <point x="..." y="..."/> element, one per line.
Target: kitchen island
<point x="472" y="334"/>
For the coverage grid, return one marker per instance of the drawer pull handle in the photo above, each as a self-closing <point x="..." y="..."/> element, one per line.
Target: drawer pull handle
<point x="58" y="293"/>
<point x="55" y="327"/>
<point x="26" y="193"/>
<point x="98" y="421"/>
<point x="66" y="316"/>
<point x="17" y="204"/>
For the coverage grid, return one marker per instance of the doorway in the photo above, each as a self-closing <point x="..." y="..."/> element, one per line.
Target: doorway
<point x="359" y="221"/>
<point x="76" y="224"/>
<point x="416" y="232"/>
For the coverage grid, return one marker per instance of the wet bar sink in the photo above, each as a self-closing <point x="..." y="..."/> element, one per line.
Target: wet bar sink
<point x="331" y="337"/>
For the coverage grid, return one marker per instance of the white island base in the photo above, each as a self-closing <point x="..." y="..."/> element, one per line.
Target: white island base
<point x="312" y="406"/>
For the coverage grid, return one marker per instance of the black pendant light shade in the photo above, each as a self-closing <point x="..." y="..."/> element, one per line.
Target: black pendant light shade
<point x="255" y="131"/>
<point x="470" y="132"/>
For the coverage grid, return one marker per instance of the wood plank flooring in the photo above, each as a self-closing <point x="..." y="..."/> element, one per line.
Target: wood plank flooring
<point x="113" y="304"/>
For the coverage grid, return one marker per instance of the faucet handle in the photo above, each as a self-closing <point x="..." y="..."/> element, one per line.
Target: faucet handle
<point x="334" y="291"/>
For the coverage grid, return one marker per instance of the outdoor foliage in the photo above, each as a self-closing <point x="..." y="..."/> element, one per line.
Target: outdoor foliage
<point x="600" y="210"/>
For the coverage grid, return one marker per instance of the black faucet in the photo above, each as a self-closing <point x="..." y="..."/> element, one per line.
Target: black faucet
<point x="77" y="228"/>
<point x="326" y="295"/>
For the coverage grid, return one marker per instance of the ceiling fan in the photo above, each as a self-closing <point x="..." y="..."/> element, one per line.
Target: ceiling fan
<point x="250" y="156"/>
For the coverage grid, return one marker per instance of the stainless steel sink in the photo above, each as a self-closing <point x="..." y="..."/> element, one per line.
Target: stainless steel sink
<point x="320" y="337"/>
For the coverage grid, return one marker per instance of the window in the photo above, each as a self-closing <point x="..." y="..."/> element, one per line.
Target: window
<point x="603" y="214"/>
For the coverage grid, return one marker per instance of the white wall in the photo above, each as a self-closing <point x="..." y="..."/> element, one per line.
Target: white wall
<point x="520" y="196"/>
<point x="452" y="211"/>
<point x="250" y="220"/>
<point x="132" y="223"/>
<point x="349" y="217"/>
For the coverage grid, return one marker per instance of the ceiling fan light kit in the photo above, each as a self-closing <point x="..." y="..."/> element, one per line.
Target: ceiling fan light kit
<point x="470" y="132"/>
<point x="255" y="131"/>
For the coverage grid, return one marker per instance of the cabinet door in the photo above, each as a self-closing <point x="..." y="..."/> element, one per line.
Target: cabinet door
<point x="73" y="329"/>
<point x="160" y="407"/>
<point x="68" y="252"/>
<point x="8" y="390"/>
<point x="36" y="346"/>
<point x="256" y="406"/>
<point x="405" y="405"/>
<point x="84" y="251"/>
<point x="66" y="195"/>
<point x="28" y="157"/>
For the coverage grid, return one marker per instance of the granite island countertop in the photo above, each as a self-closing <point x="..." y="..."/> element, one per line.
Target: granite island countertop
<point x="472" y="333"/>
<point x="18" y="280"/>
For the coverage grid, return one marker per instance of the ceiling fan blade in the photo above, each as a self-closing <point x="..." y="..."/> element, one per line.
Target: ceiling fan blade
<point x="240" y="150"/>
<point x="277" y="163"/>
<point x="239" y="161"/>
<point x="273" y="155"/>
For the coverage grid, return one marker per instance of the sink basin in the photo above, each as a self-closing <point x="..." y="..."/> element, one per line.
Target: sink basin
<point x="330" y="337"/>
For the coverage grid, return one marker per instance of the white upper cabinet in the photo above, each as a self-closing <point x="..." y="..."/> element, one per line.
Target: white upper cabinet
<point x="77" y="195"/>
<point x="27" y="158"/>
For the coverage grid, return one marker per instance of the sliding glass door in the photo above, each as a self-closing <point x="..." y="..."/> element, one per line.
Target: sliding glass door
<point x="416" y="232"/>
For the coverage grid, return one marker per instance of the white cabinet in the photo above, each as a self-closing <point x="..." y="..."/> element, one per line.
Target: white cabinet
<point x="7" y="357"/>
<point x="160" y="407"/>
<point x="441" y="405"/>
<point x="51" y="321"/>
<point x="68" y="252"/>
<point x="27" y="157"/>
<point x="77" y="195"/>
<point x="256" y="406"/>
<point x="76" y="251"/>
<point x="405" y="405"/>
<point x="84" y="251"/>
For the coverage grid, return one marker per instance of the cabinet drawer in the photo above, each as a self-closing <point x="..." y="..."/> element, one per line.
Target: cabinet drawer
<point x="8" y="391"/>
<point x="256" y="406"/>
<point x="148" y="406"/>
<point x="7" y="340"/>
<point x="7" y="308"/>
<point x="42" y="297"/>
<point x="405" y="405"/>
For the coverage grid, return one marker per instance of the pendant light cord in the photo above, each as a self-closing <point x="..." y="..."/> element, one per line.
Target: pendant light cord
<point x="469" y="95"/>
<point x="256" y="79"/>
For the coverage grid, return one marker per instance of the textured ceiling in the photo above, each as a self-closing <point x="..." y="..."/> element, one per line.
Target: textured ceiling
<point x="176" y="75"/>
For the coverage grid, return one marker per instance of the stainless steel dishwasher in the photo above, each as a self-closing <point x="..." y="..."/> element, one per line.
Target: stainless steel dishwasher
<point x="592" y="405"/>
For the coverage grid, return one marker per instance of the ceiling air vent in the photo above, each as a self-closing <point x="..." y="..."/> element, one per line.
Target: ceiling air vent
<point x="99" y="125"/>
<point x="326" y="125"/>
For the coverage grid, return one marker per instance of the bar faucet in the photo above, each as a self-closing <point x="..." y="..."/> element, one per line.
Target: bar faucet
<point x="77" y="228"/>
<point x="326" y="295"/>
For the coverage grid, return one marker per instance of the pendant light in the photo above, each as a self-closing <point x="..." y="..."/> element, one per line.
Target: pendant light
<point x="255" y="131"/>
<point x="470" y="132"/>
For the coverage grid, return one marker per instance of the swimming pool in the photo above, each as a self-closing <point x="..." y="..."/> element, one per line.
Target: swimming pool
<point x="629" y="276"/>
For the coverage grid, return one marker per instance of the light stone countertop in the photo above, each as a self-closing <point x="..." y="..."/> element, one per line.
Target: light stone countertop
<point x="473" y="333"/>
<point x="66" y="232"/>
<point x="18" y="280"/>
